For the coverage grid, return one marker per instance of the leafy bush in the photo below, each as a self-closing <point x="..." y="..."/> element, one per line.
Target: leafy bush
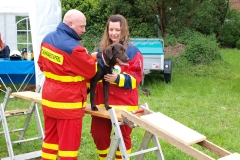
<point x="91" y="38"/>
<point x="170" y="40"/>
<point x="142" y="30"/>
<point x="184" y="36"/>
<point x="202" y="50"/>
<point x="230" y="32"/>
<point x="238" y="44"/>
<point x="187" y="35"/>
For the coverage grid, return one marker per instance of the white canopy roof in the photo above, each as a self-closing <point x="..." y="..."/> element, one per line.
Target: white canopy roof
<point x="14" y="6"/>
<point x="44" y="17"/>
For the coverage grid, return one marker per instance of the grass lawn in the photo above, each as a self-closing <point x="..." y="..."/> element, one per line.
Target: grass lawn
<point x="204" y="98"/>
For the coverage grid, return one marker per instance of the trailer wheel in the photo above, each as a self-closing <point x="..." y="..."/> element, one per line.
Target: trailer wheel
<point x="167" y="72"/>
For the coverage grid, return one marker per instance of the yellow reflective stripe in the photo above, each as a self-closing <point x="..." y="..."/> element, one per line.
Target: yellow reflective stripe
<point x="121" y="80"/>
<point x="118" y="153"/>
<point x="52" y="56"/>
<point x="50" y="146"/>
<point x="88" y="84"/>
<point x="63" y="105"/>
<point x="122" y="107"/>
<point x="48" y="156"/>
<point x="96" y="66"/>
<point x="68" y="153"/>
<point x="134" y="82"/>
<point x="103" y="151"/>
<point x="63" y="78"/>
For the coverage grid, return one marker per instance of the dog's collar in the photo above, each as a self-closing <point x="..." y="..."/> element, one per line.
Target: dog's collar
<point x="104" y="68"/>
<point x="104" y="61"/>
<point x="100" y="62"/>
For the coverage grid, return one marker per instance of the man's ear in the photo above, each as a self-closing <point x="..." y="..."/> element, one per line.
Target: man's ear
<point x="109" y="51"/>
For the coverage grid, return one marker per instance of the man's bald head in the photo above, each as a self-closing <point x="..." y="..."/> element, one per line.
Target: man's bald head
<point x="75" y="20"/>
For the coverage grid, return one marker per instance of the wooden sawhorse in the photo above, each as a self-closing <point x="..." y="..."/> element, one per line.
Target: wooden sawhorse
<point x="117" y="141"/>
<point x="33" y="109"/>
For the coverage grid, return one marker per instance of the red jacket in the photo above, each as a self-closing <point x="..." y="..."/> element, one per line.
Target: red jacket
<point x="67" y="67"/>
<point x="123" y="94"/>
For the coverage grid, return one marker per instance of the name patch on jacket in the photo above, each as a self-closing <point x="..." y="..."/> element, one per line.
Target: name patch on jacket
<point x="52" y="56"/>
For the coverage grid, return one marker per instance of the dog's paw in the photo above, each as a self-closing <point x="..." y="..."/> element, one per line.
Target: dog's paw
<point x="107" y="108"/>
<point x="94" y="108"/>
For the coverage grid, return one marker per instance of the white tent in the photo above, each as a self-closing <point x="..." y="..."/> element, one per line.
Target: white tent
<point x="44" y="17"/>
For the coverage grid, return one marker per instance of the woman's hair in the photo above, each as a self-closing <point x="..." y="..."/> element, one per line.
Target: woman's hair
<point x="124" y="37"/>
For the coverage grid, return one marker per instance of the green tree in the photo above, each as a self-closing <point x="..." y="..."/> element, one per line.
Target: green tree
<point x="154" y="18"/>
<point x="230" y="32"/>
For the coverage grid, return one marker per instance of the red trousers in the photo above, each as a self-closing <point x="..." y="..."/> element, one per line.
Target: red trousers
<point x="101" y="129"/>
<point x="62" y="138"/>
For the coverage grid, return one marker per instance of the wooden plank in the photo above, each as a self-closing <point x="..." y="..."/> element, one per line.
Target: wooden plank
<point x="28" y="95"/>
<point x="175" y="129"/>
<point x="214" y="148"/>
<point x="102" y="112"/>
<point x="234" y="156"/>
<point x="166" y="137"/>
<point x="37" y="97"/>
<point x="20" y="111"/>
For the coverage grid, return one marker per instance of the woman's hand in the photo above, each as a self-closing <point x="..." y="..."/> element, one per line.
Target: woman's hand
<point x="110" y="77"/>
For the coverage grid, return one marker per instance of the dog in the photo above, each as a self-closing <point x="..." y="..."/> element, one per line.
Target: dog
<point x="107" y="59"/>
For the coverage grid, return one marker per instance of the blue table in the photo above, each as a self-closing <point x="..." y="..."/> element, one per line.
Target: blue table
<point x="17" y="72"/>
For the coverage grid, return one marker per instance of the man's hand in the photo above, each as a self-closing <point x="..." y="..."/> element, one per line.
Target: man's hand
<point x="94" y="56"/>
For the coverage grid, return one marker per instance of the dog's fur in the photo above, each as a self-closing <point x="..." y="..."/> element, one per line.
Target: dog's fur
<point x="107" y="59"/>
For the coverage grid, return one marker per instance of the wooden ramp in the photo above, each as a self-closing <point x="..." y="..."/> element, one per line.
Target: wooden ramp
<point x="178" y="135"/>
<point x="160" y="125"/>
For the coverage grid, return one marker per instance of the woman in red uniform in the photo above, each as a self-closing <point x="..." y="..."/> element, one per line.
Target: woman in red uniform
<point x="67" y="68"/>
<point x="123" y="90"/>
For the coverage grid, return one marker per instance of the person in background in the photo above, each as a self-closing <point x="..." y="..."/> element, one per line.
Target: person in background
<point x="123" y="90"/>
<point x="67" y="67"/>
<point x="4" y="49"/>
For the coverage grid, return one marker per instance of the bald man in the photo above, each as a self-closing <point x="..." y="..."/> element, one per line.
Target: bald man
<point x="67" y="68"/>
<point x="75" y="20"/>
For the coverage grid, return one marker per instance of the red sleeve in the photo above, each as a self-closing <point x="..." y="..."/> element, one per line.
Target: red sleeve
<point x="83" y="63"/>
<point x="135" y="68"/>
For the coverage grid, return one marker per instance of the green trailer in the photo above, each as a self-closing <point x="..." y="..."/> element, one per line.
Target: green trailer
<point x="152" y="50"/>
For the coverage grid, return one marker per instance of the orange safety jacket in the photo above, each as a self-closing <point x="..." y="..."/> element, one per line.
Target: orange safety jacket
<point x="67" y="67"/>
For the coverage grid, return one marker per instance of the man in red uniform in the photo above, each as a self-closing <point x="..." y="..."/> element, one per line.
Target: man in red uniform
<point x="67" y="68"/>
